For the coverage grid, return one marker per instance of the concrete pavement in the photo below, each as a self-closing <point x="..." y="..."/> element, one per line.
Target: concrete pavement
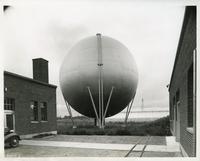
<point x="97" y="146"/>
<point x="171" y="146"/>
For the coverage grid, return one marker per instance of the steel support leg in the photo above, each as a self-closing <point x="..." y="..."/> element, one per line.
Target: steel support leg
<point x="111" y="92"/>
<point x="128" y="111"/>
<point x="93" y="105"/>
<point x="70" y="113"/>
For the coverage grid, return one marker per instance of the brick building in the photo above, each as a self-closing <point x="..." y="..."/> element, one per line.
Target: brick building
<point x="30" y="104"/>
<point x="182" y="89"/>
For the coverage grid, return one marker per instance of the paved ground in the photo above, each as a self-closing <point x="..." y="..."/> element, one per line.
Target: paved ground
<point x="49" y="151"/>
<point x="95" y="146"/>
<point x="156" y="140"/>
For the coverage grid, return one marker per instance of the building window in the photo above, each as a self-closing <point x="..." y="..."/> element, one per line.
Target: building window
<point x="177" y="103"/>
<point x="9" y="104"/>
<point x="173" y="108"/>
<point x="34" y="110"/>
<point x="43" y="107"/>
<point x="177" y="96"/>
<point x="170" y="110"/>
<point x="190" y="97"/>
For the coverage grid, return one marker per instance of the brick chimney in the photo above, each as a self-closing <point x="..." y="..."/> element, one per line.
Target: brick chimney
<point x="40" y="70"/>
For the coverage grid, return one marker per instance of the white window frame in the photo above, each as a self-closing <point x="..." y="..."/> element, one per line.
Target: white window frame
<point x="9" y="112"/>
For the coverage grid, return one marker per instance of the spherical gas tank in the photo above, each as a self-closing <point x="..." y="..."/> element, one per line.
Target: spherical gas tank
<point x="80" y="71"/>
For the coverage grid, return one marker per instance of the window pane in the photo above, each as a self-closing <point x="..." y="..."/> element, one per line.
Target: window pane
<point x="174" y="108"/>
<point x="34" y="111"/>
<point x="9" y="104"/>
<point x="43" y="107"/>
<point x="190" y="96"/>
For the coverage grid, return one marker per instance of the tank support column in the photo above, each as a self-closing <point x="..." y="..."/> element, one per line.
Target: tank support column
<point x="128" y="111"/>
<point x="97" y="121"/>
<point x="107" y="105"/>
<point x="100" y="82"/>
<point x="70" y="114"/>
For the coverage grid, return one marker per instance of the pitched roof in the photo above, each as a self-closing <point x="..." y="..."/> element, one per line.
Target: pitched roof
<point x="188" y="11"/>
<point x="29" y="79"/>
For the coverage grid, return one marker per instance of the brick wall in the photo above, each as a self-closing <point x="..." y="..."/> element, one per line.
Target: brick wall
<point x="24" y="91"/>
<point x="179" y="79"/>
<point x="40" y="70"/>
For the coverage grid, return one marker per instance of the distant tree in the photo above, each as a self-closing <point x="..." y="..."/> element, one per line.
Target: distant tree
<point x="59" y="117"/>
<point x="66" y="117"/>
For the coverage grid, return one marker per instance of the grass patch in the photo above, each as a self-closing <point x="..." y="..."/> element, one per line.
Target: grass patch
<point x="85" y="126"/>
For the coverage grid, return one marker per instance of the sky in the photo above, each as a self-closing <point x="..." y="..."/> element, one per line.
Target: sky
<point x="150" y="32"/>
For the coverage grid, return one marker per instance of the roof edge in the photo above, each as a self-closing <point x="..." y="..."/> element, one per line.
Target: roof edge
<point x="188" y="10"/>
<point x="29" y="79"/>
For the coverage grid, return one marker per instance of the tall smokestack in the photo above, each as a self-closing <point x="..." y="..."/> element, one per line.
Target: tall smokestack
<point x="40" y="70"/>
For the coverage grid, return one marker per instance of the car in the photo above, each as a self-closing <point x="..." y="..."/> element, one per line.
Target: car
<point x="11" y="138"/>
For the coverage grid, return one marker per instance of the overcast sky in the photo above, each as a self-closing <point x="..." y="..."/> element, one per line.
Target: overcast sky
<point x="150" y="32"/>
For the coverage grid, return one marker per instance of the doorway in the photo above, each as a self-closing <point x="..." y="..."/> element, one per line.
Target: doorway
<point x="9" y="119"/>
